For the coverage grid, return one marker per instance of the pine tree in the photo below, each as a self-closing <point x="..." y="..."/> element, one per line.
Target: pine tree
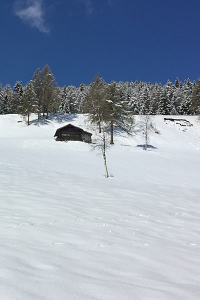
<point x="62" y="107"/>
<point x="71" y="99"/>
<point x="8" y="99"/>
<point x="155" y="98"/>
<point x="82" y="92"/>
<point x="177" y="84"/>
<point x="1" y="99"/>
<point x="169" y="88"/>
<point x="95" y="102"/>
<point x="47" y="92"/>
<point x="166" y="104"/>
<point x="185" y="107"/>
<point x="28" y="103"/>
<point x="177" y="99"/>
<point x="195" y="101"/>
<point x="17" y="94"/>
<point x="185" y="98"/>
<point x="119" y="113"/>
<point x="50" y="92"/>
<point x="38" y="89"/>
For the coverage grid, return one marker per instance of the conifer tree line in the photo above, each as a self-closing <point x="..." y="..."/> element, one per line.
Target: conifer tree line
<point x="114" y="101"/>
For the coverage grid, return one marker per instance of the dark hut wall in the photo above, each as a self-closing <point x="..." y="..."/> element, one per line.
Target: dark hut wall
<point x="72" y="133"/>
<point x="86" y="137"/>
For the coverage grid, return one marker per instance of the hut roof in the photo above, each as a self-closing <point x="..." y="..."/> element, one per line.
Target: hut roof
<point x="71" y="128"/>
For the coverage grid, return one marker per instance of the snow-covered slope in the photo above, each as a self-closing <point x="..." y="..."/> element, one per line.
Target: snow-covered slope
<point x="68" y="233"/>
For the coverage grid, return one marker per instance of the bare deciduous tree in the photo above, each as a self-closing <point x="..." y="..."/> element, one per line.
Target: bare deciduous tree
<point x="102" y="144"/>
<point x="146" y="127"/>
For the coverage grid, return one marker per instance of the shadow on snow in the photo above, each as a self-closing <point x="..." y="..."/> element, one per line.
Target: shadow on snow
<point x="148" y="146"/>
<point x="59" y="118"/>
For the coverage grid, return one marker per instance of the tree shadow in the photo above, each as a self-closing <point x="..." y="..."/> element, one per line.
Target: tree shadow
<point x="57" y="117"/>
<point x="148" y="146"/>
<point x="121" y="133"/>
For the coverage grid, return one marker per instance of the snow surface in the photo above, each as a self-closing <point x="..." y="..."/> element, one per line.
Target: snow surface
<point x="68" y="233"/>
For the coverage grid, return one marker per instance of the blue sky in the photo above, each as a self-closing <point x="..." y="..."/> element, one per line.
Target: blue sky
<point x="123" y="40"/>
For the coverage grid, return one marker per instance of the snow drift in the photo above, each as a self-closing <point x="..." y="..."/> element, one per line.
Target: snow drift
<point x="67" y="232"/>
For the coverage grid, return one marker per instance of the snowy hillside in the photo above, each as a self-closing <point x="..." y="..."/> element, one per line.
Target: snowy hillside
<point x="68" y="233"/>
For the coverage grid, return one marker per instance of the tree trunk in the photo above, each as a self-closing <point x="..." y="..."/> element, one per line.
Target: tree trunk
<point x="111" y="133"/>
<point x="146" y="137"/>
<point x="99" y="127"/>
<point x="104" y="155"/>
<point x="106" y="169"/>
<point x="28" y="119"/>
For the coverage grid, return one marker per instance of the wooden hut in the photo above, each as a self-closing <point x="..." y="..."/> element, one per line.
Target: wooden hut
<point x="72" y="133"/>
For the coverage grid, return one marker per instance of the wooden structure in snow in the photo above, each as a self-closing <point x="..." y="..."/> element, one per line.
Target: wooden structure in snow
<point x="72" y="133"/>
<point x="181" y="122"/>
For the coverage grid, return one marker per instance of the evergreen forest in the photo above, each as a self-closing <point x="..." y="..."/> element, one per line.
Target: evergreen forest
<point x="42" y="95"/>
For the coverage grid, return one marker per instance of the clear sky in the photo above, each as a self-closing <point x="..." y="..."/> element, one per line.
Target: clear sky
<point x="123" y="40"/>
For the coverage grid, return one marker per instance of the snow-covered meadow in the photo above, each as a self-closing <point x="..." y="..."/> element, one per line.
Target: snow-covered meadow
<point x="68" y="233"/>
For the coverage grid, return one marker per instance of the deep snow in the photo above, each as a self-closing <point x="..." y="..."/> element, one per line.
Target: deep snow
<point x="68" y="233"/>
